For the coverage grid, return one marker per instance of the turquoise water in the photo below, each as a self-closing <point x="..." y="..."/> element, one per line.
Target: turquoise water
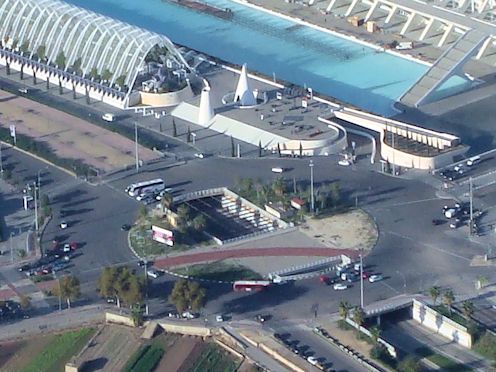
<point x="330" y="65"/>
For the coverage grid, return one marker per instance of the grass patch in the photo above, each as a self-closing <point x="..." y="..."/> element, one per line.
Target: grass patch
<point x="453" y="316"/>
<point x="214" y="359"/>
<point x="446" y="364"/>
<point x="345" y="326"/>
<point x="58" y="352"/>
<point x="145" y="358"/>
<point x="219" y="271"/>
<point x="486" y="346"/>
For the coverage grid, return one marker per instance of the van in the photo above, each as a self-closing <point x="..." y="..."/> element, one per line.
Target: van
<point x="108" y="117"/>
<point x="473" y="160"/>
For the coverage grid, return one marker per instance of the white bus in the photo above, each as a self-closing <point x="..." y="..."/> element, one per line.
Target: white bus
<point x="145" y="187"/>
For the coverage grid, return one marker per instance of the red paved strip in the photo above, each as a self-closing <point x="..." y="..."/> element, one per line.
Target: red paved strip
<point x="251" y="252"/>
<point x="6" y="294"/>
<point x="48" y="285"/>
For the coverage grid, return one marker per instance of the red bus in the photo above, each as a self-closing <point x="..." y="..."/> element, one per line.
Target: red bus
<point x="250" y="285"/>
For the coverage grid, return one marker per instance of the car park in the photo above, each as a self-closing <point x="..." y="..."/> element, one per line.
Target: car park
<point x="375" y="278"/>
<point x="340" y="286"/>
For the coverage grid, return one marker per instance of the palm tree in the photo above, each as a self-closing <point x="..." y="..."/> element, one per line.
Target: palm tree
<point x="344" y="309"/>
<point x="69" y="289"/>
<point x="482" y="281"/>
<point x="375" y="333"/>
<point x="358" y="316"/>
<point x="467" y="309"/>
<point x="448" y="299"/>
<point x="167" y="200"/>
<point x="434" y="292"/>
<point x="199" y="222"/>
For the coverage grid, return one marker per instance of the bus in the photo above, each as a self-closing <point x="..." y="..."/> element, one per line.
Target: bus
<point x="145" y="187"/>
<point x="250" y="285"/>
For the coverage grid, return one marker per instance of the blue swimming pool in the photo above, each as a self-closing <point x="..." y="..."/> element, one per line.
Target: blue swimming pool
<point x="331" y="65"/>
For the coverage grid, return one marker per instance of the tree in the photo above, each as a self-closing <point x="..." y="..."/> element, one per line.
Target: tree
<point x="142" y="212"/>
<point x="76" y="66"/>
<point x="409" y="364"/>
<point x="25" y="302"/>
<point x="41" y="52"/>
<point x="106" y="283"/>
<point x="358" y="316"/>
<point x="183" y="212"/>
<point x="434" y="292"/>
<point x="106" y="74"/>
<point x="137" y="315"/>
<point x="22" y="71"/>
<point x="174" y="128"/>
<point x="467" y="309"/>
<point x="187" y="295"/>
<point x="121" y="80"/>
<point x="61" y="60"/>
<point x="61" y="91"/>
<point x="122" y="284"/>
<point x="167" y="200"/>
<point x="279" y="149"/>
<point x="344" y="309"/>
<point x="74" y="91"/>
<point x="482" y="281"/>
<point x="34" y="77"/>
<point x="260" y="149"/>
<point x="301" y="150"/>
<point x="188" y="136"/>
<point x="70" y="289"/>
<point x="44" y="200"/>
<point x="278" y="186"/>
<point x="199" y="222"/>
<point x="94" y="74"/>
<point x="233" y="150"/>
<point x="24" y="47"/>
<point x="375" y="334"/>
<point x="335" y="193"/>
<point x="448" y="299"/>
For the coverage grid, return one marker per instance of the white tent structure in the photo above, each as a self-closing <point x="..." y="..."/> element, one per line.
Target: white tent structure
<point x="206" y="111"/>
<point x="244" y="94"/>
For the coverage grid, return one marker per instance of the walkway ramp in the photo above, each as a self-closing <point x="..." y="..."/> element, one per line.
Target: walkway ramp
<point x="448" y="64"/>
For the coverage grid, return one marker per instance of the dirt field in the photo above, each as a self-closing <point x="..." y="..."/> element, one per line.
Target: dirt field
<point x="180" y="355"/>
<point x="352" y="230"/>
<point x="110" y="350"/>
<point x="69" y="137"/>
<point x="15" y="355"/>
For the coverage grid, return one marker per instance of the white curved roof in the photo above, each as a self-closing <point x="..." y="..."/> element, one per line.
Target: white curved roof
<point x="99" y="41"/>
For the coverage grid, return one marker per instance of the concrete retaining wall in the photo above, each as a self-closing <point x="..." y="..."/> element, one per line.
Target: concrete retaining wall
<point x="118" y="319"/>
<point x="433" y="320"/>
<point x="166" y="99"/>
<point x="186" y="329"/>
<point x="229" y="348"/>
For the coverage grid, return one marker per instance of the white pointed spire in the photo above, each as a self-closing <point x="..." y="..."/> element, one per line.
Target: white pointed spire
<point x="206" y="112"/>
<point x="244" y="93"/>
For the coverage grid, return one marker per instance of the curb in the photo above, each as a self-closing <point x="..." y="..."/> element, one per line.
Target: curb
<point x="40" y="159"/>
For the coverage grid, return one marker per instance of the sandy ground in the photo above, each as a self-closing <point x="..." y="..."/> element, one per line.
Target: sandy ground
<point x="185" y="349"/>
<point x="263" y="266"/>
<point x="15" y="355"/>
<point x="111" y="349"/>
<point x="352" y="230"/>
<point x="68" y="136"/>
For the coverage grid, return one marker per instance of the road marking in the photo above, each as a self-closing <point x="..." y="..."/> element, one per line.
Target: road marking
<point x="428" y="245"/>
<point x="404" y="203"/>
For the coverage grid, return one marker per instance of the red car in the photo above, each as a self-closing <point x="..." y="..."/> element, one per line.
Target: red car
<point x="366" y="275"/>
<point x="73" y="246"/>
<point x="55" y="244"/>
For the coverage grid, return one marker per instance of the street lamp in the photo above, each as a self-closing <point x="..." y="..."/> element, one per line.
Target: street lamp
<point x="136" y="144"/>
<point x="312" y="201"/>
<point x="1" y="160"/>
<point x="361" y="278"/>
<point x="35" y="208"/>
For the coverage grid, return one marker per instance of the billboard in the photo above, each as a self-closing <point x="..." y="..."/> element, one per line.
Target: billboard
<point x="162" y="235"/>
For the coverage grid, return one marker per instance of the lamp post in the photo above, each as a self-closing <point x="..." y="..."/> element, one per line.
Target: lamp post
<point x="35" y="209"/>
<point x="312" y="201"/>
<point x="1" y="160"/>
<point x="136" y="145"/>
<point x="361" y="278"/>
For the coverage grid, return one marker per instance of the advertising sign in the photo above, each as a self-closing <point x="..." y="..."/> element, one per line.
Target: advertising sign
<point x="162" y="235"/>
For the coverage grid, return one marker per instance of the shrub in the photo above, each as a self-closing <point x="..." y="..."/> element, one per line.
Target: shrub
<point x="409" y="364"/>
<point x="486" y="346"/>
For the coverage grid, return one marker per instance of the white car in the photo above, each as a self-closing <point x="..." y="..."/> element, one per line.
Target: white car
<point x="153" y="273"/>
<point x="189" y="315"/>
<point x="219" y="318"/>
<point x="340" y="287"/>
<point x="312" y="360"/>
<point x="344" y="163"/>
<point x="199" y="155"/>
<point x="67" y="247"/>
<point x="277" y="170"/>
<point x="375" y="278"/>
<point x="63" y="225"/>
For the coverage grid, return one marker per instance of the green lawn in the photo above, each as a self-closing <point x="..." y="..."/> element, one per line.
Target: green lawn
<point x="453" y="316"/>
<point x="219" y="271"/>
<point x="446" y="364"/>
<point x="59" y="351"/>
<point x="215" y="359"/>
<point x="145" y="358"/>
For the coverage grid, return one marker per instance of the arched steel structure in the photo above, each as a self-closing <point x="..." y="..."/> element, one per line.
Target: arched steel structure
<point x="98" y="41"/>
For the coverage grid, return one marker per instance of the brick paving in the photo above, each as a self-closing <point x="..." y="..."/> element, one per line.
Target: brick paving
<point x="251" y="252"/>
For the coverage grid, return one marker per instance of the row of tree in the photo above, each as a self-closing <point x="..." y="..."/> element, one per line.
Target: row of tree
<point x="122" y="284"/>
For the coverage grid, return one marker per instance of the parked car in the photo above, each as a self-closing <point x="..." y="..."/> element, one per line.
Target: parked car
<point x="366" y="275"/>
<point x="64" y="225"/>
<point x="219" y="318"/>
<point x="262" y="318"/>
<point x="153" y="273"/>
<point x="199" y="155"/>
<point x="340" y="286"/>
<point x="189" y="315"/>
<point x="344" y="162"/>
<point x="67" y="247"/>
<point x="375" y="278"/>
<point x="25" y="267"/>
<point x="277" y="170"/>
<point x="312" y="360"/>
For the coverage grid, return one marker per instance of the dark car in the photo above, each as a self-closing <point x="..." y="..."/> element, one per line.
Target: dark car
<point x="126" y="227"/>
<point x="262" y="318"/>
<point x="25" y="267"/>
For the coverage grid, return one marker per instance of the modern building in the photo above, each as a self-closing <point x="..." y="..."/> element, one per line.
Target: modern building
<point x="78" y="49"/>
